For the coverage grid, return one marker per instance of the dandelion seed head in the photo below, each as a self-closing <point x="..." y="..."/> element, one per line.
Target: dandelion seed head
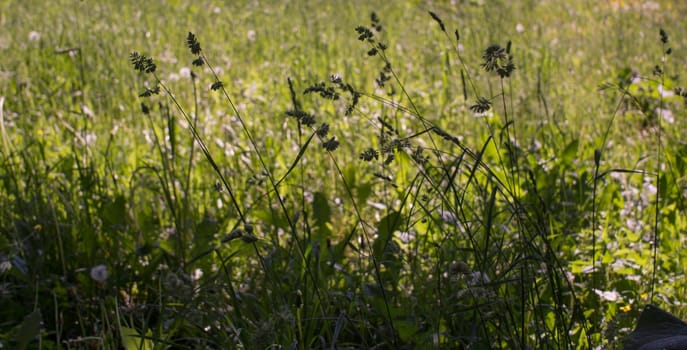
<point x="99" y="273"/>
<point x="34" y="36"/>
<point x="185" y="72"/>
<point x="90" y="138"/>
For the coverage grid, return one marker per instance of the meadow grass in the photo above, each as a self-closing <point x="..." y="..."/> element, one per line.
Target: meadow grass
<point x="339" y="174"/>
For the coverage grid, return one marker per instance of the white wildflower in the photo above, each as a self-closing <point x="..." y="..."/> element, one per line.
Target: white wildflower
<point x="185" y="72"/>
<point x="607" y="295"/>
<point x="34" y="36"/>
<point x="477" y="278"/>
<point x="406" y="236"/>
<point x="90" y="138"/>
<point x="251" y="35"/>
<point x="448" y="217"/>
<point x="665" y="92"/>
<point x="196" y="274"/>
<point x="5" y="266"/>
<point x="99" y="273"/>
<point x="667" y="115"/>
<point x="87" y="111"/>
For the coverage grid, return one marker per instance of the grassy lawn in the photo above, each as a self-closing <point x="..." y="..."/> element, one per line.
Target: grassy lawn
<point x="340" y="174"/>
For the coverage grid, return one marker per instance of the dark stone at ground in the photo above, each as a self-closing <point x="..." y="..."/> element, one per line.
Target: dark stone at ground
<point x="657" y="330"/>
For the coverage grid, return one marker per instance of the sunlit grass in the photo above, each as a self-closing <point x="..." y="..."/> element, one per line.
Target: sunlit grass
<point x="410" y="222"/>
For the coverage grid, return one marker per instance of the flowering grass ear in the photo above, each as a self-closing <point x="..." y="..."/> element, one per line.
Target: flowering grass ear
<point x="142" y="63"/>
<point x="658" y="71"/>
<point x="193" y="44"/>
<point x="483" y="104"/>
<point x="323" y="130"/>
<point x="376" y="22"/>
<point x="438" y="20"/>
<point x="198" y="62"/>
<point x="216" y="86"/>
<point x="327" y="92"/>
<point x="384" y="75"/>
<point x="664" y="36"/>
<point x="150" y="92"/>
<point x="499" y="60"/>
<point x="364" y="33"/>
<point x="331" y="144"/>
<point x="303" y="117"/>
<point x="369" y="154"/>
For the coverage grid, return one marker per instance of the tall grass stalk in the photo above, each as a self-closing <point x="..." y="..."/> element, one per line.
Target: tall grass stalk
<point x="660" y="73"/>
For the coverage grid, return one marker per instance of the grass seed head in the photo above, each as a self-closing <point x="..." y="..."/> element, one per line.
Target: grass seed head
<point x="193" y="44"/>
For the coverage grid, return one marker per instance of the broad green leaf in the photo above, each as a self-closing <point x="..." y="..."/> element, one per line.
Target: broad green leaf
<point x="349" y="173"/>
<point x="322" y="213"/>
<point x="569" y="153"/>
<point x="321" y="209"/>
<point x="131" y="340"/>
<point x="114" y="212"/>
<point x="363" y="192"/>
<point x="403" y="170"/>
<point x="30" y="328"/>
<point x="385" y="229"/>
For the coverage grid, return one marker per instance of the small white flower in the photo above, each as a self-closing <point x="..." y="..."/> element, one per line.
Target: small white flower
<point x="99" y="273"/>
<point x="251" y="35"/>
<point x="148" y="136"/>
<point x="90" y="139"/>
<point x="406" y="236"/>
<point x="448" y="217"/>
<point x="607" y="295"/>
<point x="335" y="77"/>
<point x="87" y="111"/>
<point x="667" y="115"/>
<point x="569" y="276"/>
<point x="196" y="274"/>
<point x="185" y="72"/>
<point x="520" y="28"/>
<point x="665" y="92"/>
<point x="34" y="36"/>
<point x="477" y="278"/>
<point x="5" y="266"/>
